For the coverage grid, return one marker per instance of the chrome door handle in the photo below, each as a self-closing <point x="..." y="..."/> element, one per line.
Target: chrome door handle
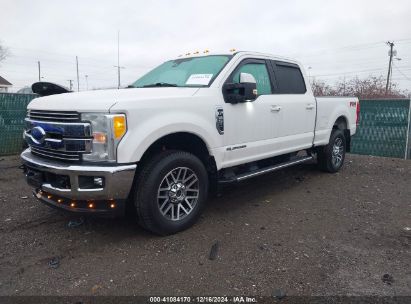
<point x="275" y="108"/>
<point x="310" y="106"/>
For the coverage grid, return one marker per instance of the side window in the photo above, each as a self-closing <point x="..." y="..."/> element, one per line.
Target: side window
<point x="260" y="73"/>
<point x="289" y="78"/>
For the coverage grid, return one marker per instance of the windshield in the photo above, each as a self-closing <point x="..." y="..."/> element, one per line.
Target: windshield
<point x="184" y="72"/>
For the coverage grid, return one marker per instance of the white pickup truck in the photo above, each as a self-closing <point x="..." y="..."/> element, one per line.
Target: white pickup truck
<point x="157" y="148"/>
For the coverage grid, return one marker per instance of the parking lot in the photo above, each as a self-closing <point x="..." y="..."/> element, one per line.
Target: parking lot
<point x="297" y="231"/>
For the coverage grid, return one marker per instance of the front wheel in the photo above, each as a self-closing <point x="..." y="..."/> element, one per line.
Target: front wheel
<point x="171" y="192"/>
<point x="331" y="157"/>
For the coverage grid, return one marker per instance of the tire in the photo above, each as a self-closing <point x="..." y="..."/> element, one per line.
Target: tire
<point x="171" y="192"/>
<point x="331" y="157"/>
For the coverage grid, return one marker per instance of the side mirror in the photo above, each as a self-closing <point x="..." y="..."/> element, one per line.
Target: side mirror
<point x="244" y="91"/>
<point x="247" y="78"/>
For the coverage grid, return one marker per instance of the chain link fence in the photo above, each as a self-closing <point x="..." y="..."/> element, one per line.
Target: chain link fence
<point x="12" y="114"/>
<point x="384" y="128"/>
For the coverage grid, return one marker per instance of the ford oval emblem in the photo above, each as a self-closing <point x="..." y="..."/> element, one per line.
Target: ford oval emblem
<point x="38" y="135"/>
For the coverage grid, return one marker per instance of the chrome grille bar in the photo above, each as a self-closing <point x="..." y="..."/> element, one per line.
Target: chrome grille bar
<point x="53" y="115"/>
<point x="69" y="129"/>
<point x="55" y="155"/>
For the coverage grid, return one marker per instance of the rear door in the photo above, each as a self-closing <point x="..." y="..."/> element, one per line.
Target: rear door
<point x="297" y="107"/>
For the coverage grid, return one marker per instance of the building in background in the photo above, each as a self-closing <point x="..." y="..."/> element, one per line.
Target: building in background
<point x="4" y="85"/>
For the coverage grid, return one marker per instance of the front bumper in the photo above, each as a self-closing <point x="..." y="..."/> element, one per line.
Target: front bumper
<point x="116" y="187"/>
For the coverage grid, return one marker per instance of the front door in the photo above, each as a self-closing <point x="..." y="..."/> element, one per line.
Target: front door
<point x="250" y="127"/>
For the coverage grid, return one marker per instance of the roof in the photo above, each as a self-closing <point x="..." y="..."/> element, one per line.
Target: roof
<point x="4" y="82"/>
<point x="234" y="52"/>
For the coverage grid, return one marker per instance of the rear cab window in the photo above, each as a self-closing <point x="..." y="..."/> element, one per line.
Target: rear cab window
<point x="289" y="78"/>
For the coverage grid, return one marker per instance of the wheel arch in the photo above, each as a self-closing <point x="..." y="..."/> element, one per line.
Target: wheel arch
<point x="341" y="123"/>
<point x="184" y="141"/>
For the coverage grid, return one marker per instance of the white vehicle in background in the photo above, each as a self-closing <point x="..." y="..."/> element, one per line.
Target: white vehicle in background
<point x="157" y="148"/>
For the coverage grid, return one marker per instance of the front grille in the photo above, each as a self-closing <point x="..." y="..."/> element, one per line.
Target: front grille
<point x="55" y="154"/>
<point x="56" y="135"/>
<point x="53" y="116"/>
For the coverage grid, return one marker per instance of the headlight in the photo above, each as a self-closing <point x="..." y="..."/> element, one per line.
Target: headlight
<point x="107" y="130"/>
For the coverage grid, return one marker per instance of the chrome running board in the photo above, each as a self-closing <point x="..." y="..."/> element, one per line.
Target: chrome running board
<point x="254" y="173"/>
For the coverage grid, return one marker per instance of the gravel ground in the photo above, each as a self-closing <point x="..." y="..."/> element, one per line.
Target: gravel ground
<point x="299" y="230"/>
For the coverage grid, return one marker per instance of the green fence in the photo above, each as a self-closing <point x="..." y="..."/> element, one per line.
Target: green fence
<point x="382" y="131"/>
<point x="383" y="128"/>
<point x="12" y="113"/>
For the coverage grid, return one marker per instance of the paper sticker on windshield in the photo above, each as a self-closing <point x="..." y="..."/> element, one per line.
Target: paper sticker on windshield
<point x="199" y="79"/>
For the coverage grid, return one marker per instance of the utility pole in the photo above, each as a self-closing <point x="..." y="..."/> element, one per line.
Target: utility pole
<point x="78" y="78"/>
<point x="391" y="54"/>
<point x="86" y="81"/>
<point x="118" y="60"/>
<point x="38" y="63"/>
<point x="70" y="84"/>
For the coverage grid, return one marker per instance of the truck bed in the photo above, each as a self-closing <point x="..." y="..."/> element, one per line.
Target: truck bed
<point x="329" y="109"/>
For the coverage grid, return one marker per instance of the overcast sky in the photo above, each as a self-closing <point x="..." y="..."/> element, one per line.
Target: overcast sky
<point x="334" y="38"/>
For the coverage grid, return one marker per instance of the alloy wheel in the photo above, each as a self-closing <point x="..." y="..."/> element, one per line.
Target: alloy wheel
<point x="178" y="193"/>
<point x="337" y="152"/>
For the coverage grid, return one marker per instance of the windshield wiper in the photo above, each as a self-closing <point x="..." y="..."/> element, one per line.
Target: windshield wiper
<point x="160" y="84"/>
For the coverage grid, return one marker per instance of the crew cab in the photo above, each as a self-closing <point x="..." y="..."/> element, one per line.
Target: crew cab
<point x="157" y="148"/>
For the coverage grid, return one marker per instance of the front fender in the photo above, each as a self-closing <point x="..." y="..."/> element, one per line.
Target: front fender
<point x="142" y="133"/>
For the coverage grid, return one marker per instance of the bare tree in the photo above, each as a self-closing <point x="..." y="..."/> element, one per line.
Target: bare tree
<point x="4" y="52"/>
<point x="370" y="87"/>
<point x="320" y="88"/>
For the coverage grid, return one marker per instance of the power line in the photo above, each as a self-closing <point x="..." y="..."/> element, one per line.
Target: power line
<point x="106" y="63"/>
<point x="60" y="75"/>
<point x="357" y="47"/>
<point x="349" y="72"/>
<point x="402" y="40"/>
<point x="102" y="66"/>
<point x="406" y="77"/>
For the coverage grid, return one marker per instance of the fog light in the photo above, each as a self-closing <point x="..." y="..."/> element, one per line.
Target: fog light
<point x="73" y="205"/>
<point x="91" y="205"/>
<point x="112" y="205"/>
<point x="90" y="182"/>
<point x="98" y="181"/>
<point x="59" y="200"/>
<point x="49" y="196"/>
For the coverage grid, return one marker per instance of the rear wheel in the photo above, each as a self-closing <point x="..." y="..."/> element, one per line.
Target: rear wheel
<point x="170" y="192"/>
<point x="331" y="157"/>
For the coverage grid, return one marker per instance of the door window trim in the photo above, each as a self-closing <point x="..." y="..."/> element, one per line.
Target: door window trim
<point x="253" y="60"/>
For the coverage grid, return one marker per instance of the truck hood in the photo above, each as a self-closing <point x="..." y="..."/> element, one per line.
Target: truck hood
<point x="103" y="100"/>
